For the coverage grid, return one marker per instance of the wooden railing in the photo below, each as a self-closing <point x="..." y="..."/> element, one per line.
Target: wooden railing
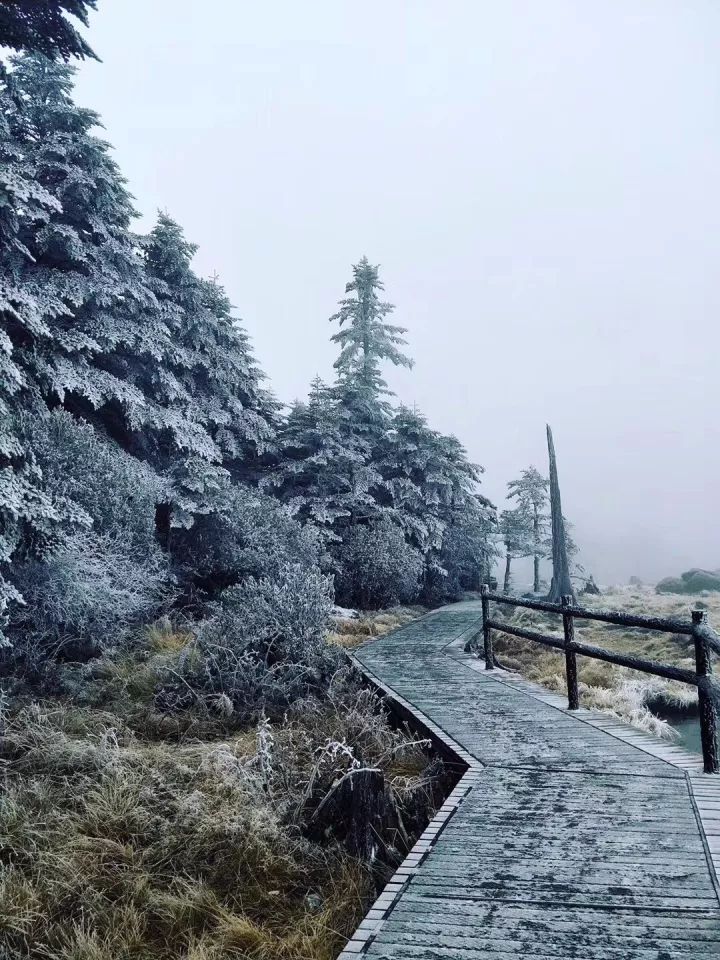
<point x="704" y="638"/>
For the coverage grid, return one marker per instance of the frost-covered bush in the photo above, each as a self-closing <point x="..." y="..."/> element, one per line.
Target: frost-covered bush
<point x="671" y="585"/>
<point x="284" y="618"/>
<point x="115" y="490"/>
<point x="86" y="595"/>
<point x="378" y="568"/>
<point x="264" y="648"/>
<point x="692" y="581"/>
<point x="249" y="534"/>
<point x="464" y="551"/>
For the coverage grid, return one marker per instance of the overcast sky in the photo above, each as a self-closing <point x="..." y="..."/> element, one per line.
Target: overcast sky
<point x="539" y="182"/>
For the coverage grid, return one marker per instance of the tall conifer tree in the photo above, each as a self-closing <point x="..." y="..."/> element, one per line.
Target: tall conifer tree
<point x="530" y="492"/>
<point x="219" y="420"/>
<point x="84" y="274"/>
<point x="324" y="479"/>
<point x="41" y="26"/>
<point x="366" y="339"/>
<point x="67" y="262"/>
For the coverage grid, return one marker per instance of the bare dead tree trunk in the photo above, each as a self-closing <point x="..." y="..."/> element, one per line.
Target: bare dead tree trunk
<point x="561" y="583"/>
<point x="506" y="582"/>
<point x="486" y="568"/>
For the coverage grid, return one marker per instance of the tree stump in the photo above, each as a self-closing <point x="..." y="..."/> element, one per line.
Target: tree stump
<point x="359" y="810"/>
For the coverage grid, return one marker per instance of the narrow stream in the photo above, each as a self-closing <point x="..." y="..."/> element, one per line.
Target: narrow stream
<point x="689" y="730"/>
<point x="684" y="720"/>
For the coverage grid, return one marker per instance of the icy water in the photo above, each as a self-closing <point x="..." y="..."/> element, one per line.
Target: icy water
<point x="689" y="730"/>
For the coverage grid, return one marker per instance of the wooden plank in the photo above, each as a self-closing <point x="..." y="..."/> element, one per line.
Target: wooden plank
<point x="574" y="841"/>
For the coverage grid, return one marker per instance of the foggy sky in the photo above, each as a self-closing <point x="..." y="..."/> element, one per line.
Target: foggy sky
<point x="538" y="181"/>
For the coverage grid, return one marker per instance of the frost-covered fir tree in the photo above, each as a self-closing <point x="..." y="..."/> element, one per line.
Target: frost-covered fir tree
<point x="219" y="420"/>
<point x="83" y="276"/>
<point x="241" y="412"/>
<point x="429" y="485"/>
<point x="515" y="529"/>
<point x="322" y="473"/>
<point x="421" y="484"/>
<point x="469" y="550"/>
<point x="28" y="515"/>
<point x="366" y="339"/>
<point x="41" y="26"/>
<point x="531" y="493"/>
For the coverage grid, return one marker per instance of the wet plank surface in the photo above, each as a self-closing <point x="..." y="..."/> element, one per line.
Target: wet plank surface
<point x="571" y="842"/>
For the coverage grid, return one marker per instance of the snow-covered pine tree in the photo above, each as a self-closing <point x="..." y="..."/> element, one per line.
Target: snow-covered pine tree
<point x="515" y="529"/>
<point x="429" y="486"/>
<point x="241" y="412"/>
<point x="323" y="474"/>
<point x="25" y="25"/>
<point x="469" y="549"/>
<point x="26" y="512"/>
<point x="83" y="275"/>
<point x="365" y="340"/>
<point x="417" y="486"/>
<point x="41" y="26"/>
<point x="530" y="491"/>
<point x="360" y="394"/>
<point x="221" y="419"/>
<point x="428" y="476"/>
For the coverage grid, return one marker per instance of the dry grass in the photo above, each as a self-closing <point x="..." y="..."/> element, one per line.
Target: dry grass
<point x="623" y="693"/>
<point x="121" y="837"/>
<point x="351" y="633"/>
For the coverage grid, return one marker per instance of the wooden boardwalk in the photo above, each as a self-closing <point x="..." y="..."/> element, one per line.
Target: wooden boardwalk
<point x="570" y="836"/>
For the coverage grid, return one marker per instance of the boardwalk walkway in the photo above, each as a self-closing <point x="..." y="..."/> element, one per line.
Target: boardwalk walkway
<point x="570" y="836"/>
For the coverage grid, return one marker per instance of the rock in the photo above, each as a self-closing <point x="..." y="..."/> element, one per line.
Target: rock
<point x="344" y="613"/>
<point x="313" y="902"/>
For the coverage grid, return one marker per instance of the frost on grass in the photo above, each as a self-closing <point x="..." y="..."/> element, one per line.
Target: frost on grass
<point x="627" y="694"/>
<point x="122" y="836"/>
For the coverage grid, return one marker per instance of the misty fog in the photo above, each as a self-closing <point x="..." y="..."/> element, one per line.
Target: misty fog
<point x="538" y="182"/>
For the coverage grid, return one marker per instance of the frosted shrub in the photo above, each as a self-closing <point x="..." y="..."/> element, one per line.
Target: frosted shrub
<point x="264" y="648"/>
<point x="116" y="491"/>
<point x="249" y="534"/>
<point x="464" y="549"/>
<point x="85" y="596"/>
<point x="282" y="618"/>
<point x="378" y="568"/>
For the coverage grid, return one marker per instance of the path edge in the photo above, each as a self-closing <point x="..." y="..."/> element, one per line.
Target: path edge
<point x="383" y="906"/>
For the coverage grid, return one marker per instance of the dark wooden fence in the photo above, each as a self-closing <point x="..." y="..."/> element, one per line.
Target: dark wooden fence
<point x="704" y="638"/>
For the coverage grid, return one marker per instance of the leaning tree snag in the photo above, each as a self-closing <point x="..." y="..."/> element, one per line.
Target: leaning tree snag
<point x="561" y="583"/>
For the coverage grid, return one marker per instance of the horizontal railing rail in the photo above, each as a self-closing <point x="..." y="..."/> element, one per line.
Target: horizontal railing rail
<point x="704" y="638"/>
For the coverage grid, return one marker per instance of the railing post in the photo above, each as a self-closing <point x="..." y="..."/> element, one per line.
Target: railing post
<point x="487" y="632"/>
<point x="706" y="703"/>
<point x="570" y="656"/>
